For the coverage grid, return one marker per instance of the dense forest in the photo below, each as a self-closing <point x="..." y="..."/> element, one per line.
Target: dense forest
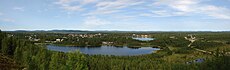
<point x="18" y="52"/>
<point x="33" y="57"/>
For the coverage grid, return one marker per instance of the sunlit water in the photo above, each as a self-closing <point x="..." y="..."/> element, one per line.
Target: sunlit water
<point x="144" y="39"/>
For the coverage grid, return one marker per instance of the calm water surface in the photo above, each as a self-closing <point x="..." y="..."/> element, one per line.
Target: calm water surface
<point x="144" y="39"/>
<point x="105" y="50"/>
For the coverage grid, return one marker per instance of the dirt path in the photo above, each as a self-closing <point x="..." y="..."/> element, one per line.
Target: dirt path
<point x="192" y="40"/>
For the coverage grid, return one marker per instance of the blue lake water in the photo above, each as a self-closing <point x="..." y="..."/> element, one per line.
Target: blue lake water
<point x="105" y="50"/>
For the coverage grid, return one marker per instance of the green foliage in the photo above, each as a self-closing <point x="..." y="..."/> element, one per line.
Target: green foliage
<point x="183" y="50"/>
<point x="8" y="46"/>
<point x="43" y="56"/>
<point x="206" y="45"/>
<point x="34" y="57"/>
<point x="2" y="35"/>
<point x="37" y="57"/>
<point x="76" y="61"/>
<point x="219" y="61"/>
<point x="57" y="61"/>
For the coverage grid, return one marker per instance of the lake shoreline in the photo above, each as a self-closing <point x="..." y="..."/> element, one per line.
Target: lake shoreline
<point x="105" y="50"/>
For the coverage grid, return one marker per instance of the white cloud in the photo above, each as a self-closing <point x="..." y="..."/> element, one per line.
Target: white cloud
<point x="72" y="8"/>
<point x="66" y="5"/>
<point x="108" y="7"/>
<point x="19" y="8"/>
<point x="81" y="2"/>
<point x="180" y="5"/>
<point x="101" y="12"/>
<point x="174" y="8"/>
<point x="159" y="8"/>
<point x="162" y="13"/>
<point x="74" y="5"/>
<point x="94" y="22"/>
<point x="84" y="2"/>
<point x="101" y="6"/>
<point x="117" y="4"/>
<point x="7" y="20"/>
<point x="217" y="12"/>
<point x="188" y="7"/>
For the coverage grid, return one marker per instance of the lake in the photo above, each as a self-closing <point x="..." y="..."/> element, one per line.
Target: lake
<point x="105" y="50"/>
<point x="144" y="39"/>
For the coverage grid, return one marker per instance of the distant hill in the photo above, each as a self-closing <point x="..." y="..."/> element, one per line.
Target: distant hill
<point x="99" y="31"/>
<point x="50" y="31"/>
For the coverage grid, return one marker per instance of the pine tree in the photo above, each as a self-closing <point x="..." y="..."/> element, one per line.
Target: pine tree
<point x="54" y="62"/>
<point x="5" y="45"/>
<point x="42" y="59"/>
<point x="18" y="54"/>
<point x="57" y="61"/>
<point x="76" y="61"/>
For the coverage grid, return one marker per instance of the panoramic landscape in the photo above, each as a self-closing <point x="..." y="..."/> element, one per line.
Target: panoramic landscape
<point x="114" y="35"/>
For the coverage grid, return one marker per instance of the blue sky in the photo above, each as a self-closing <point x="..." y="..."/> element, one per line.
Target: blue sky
<point x="127" y="15"/>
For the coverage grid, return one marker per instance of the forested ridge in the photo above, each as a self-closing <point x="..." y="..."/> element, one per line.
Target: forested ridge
<point x="20" y="53"/>
<point x="33" y="57"/>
